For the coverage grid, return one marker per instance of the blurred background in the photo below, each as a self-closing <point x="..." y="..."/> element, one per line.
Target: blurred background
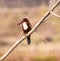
<point x="45" y="41"/>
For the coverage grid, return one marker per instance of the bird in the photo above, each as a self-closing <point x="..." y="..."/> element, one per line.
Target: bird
<point x="26" y="27"/>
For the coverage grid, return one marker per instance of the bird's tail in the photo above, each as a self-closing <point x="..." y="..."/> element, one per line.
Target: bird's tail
<point x="28" y="40"/>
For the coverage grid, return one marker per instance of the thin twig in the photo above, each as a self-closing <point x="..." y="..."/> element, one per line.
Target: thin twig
<point x="54" y="14"/>
<point x="53" y="7"/>
<point x="51" y="10"/>
<point x="43" y="38"/>
<point x="33" y="29"/>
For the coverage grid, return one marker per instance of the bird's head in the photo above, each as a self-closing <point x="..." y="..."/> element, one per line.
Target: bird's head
<point x="24" y="20"/>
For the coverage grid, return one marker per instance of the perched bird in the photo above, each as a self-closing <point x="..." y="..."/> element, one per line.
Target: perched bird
<point x="26" y="27"/>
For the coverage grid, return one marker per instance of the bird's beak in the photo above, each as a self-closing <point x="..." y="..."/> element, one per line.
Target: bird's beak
<point x="20" y="22"/>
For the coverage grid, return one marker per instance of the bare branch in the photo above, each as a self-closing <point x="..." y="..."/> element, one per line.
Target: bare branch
<point x="50" y="3"/>
<point x="54" y="14"/>
<point x="33" y="29"/>
<point x="53" y="7"/>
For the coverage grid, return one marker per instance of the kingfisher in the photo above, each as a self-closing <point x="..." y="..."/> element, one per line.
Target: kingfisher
<point x="26" y="27"/>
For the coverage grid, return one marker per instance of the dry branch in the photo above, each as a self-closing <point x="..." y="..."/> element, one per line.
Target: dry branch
<point x="33" y="29"/>
<point x="54" y="14"/>
<point x="51" y="11"/>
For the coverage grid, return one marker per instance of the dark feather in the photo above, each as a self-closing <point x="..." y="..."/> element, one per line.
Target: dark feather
<point x="28" y="40"/>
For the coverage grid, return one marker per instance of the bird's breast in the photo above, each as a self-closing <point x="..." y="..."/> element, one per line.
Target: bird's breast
<point x="25" y="26"/>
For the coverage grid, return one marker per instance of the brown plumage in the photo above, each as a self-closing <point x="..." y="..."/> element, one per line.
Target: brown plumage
<point x="27" y="23"/>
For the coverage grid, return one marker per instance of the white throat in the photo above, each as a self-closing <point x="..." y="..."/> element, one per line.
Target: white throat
<point x="25" y="26"/>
